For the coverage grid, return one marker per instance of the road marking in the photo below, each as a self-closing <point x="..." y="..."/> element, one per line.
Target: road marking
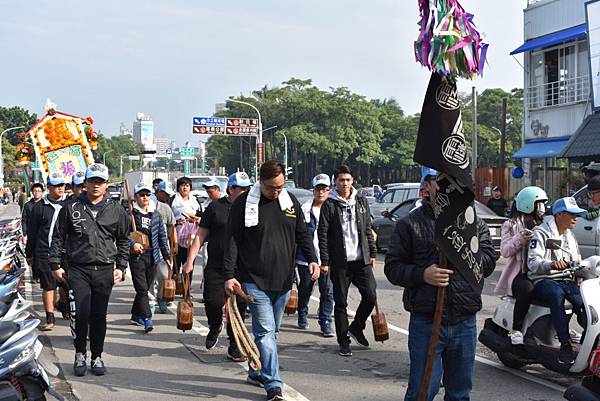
<point x="290" y="393"/>
<point x="480" y="359"/>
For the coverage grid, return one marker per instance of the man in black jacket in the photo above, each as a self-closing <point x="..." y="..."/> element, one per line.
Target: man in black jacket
<point x="346" y="245"/>
<point x="37" y="191"/>
<point x="92" y="231"/>
<point x="265" y="225"/>
<point x="411" y="262"/>
<point x="42" y="219"/>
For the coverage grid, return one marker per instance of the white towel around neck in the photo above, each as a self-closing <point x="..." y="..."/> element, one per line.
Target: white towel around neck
<point x="251" y="210"/>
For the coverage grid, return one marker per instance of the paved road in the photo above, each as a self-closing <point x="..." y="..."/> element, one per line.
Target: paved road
<point x="169" y="364"/>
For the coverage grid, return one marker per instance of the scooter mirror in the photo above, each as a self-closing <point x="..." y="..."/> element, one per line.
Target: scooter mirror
<point x="553" y="244"/>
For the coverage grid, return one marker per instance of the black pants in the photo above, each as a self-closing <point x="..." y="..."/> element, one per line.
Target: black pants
<point x="89" y="292"/>
<point x="142" y="275"/>
<point x="361" y="276"/>
<point x="522" y="289"/>
<point x="180" y="259"/>
<point x="214" y="299"/>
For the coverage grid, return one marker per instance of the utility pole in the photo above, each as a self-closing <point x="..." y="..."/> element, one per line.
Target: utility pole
<point x="503" y="136"/>
<point x="474" y="139"/>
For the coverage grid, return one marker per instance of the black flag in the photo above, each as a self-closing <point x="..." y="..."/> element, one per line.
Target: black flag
<point x="441" y="145"/>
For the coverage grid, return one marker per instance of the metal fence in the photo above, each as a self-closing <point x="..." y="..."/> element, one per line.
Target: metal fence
<point x="566" y="91"/>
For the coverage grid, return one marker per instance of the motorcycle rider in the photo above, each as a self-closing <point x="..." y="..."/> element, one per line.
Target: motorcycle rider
<point x="542" y="261"/>
<point x="516" y="233"/>
<point x="593" y="189"/>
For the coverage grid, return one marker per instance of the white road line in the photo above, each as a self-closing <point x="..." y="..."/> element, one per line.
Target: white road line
<point x="481" y="359"/>
<point x="290" y="393"/>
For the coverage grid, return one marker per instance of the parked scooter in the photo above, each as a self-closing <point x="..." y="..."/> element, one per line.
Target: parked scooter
<point x="22" y="376"/>
<point x="541" y="344"/>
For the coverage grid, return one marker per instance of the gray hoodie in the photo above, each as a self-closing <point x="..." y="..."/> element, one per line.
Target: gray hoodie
<point x="350" y="226"/>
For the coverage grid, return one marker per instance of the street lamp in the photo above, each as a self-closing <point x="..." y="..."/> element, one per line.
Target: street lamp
<point x="260" y="131"/>
<point x="104" y="156"/>
<point x="1" y="157"/>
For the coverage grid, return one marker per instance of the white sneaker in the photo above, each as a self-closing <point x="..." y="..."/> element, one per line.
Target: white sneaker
<point x="516" y="337"/>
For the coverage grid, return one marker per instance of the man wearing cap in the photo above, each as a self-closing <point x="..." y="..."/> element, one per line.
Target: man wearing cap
<point x="92" y="232"/>
<point x="593" y="189"/>
<point x="77" y="184"/>
<point x="542" y="262"/>
<point x="497" y="203"/>
<point x="143" y="262"/>
<point x="212" y="227"/>
<point x="41" y="224"/>
<point x="312" y="211"/>
<point x="213" y="190"/>
<point x="163" y="195"/>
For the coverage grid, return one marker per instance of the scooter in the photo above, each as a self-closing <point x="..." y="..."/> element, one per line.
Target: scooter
<point x="22" y="376"/>
<point x="589" y="389"/>
<point x="541" y="345"/>
<point x="16" y="311"/>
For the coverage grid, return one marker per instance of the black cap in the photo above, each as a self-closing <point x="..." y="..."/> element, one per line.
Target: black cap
<point x="594" y="183"/>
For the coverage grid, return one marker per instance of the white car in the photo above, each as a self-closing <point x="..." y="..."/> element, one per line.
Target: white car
<point x="587" y="232"/>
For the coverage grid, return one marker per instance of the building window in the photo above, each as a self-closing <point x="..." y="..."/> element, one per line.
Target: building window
<point x="559" y="75"/>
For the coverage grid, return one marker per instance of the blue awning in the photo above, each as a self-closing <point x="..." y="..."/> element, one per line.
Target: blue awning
<point x="541" y="149"/>
<point x="551" y="39"/>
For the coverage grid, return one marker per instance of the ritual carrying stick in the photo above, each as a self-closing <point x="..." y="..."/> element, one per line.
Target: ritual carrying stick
<point x="435" y="334"/>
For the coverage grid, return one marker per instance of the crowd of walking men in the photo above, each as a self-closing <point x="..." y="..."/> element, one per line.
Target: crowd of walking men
<point x="254" y="237"/>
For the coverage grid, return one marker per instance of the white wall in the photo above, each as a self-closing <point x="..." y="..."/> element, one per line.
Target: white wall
<point x="560" y="120"/>
<point x="553" y="15"/>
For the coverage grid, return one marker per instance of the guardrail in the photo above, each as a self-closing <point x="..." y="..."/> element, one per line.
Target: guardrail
<point x="566" y="91"/>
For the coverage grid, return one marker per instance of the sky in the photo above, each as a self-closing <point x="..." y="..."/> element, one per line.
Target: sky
<point x="175" y="59"/>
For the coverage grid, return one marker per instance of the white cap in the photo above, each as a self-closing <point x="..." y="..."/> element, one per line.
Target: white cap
<point x="142" y="187"/>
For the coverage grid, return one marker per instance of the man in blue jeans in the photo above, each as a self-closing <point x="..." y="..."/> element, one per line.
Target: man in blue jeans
<point x="542" y="262"/>
<point x="411" y="262"/>
<point x="312" y="211"/>
<point x="265" y="225"/>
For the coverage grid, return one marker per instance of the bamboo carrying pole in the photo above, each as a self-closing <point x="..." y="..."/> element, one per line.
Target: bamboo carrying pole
<point x="435" y="333"/>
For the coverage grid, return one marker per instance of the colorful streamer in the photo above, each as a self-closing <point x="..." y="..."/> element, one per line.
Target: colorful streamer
<point x="448" y="43"/>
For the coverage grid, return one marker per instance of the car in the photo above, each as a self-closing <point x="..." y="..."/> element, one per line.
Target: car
<point x="586" y="232"/>
<point x="115" y="190"/>
<point x="393" y="196"/>
<point x="198" y="180"/>
<point x="303" y="195"/>
<point x="384" y="226"/>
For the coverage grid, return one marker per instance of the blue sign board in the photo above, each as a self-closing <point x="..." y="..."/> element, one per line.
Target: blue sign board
<point x="168" y="151"/>
<point x="209" y="121"/>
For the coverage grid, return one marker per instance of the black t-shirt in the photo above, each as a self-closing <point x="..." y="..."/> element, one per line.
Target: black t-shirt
<point x="143" y="222"/>
<point x="265" y="254"/>
<point x="499" y="206"/>
<point x="214" y="219"/>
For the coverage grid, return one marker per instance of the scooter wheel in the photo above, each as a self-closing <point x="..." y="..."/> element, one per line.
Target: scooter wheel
<point x="510" y="361"/>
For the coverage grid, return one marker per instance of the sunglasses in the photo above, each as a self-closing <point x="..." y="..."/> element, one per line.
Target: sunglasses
<point x="143" y="194"/>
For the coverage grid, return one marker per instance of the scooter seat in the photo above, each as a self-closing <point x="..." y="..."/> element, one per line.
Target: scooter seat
<point x="7" y="329"/>
<point x="545" y="304"/>
<point x="3" y="308"/>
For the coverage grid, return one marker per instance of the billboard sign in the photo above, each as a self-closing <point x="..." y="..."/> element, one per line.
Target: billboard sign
<point x="225" y="126"/>
<point x="147" y="132"/>
<point x="592" y="10"/>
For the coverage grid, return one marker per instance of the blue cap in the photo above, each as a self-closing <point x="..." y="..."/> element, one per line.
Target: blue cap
<point x="427" y="172"/>
<point x="78" y="178"/>
<point x="162" y="186"/>
<point x="211" y="183"/>
<point x="55" y="179"/>
<point x="239" y="179"/>
<point x="97" y="170"/>
<point x="567" y="204"/>
<point x="321" y="179"/>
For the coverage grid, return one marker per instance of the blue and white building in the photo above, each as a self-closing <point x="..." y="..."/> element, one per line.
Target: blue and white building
<point x="557" y="88"/>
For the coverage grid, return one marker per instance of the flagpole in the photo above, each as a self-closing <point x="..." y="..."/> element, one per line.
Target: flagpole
<point x="435" y="333"/>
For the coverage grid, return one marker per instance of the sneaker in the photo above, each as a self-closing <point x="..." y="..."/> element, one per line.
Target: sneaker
<point x="575" y="336"/>
<point x="256" y="381"/>
<point x="148" y="325"/>
<point x="98" y="367"/>
<point x="302" y="322"/>
<point x="212" y="338"/>
<point x="326" y="330"/>
<point x="162" y="306"/>
<point x="345" y="348"/>
<point x="137" y="320"/>
<point x="79" y="366"/>
<point x="274" y="394"/>
<point x="566" y="354"/>
<point x="234" y="354"/>
<point x="516" y="337"/>
<point x="358" y="336"/>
